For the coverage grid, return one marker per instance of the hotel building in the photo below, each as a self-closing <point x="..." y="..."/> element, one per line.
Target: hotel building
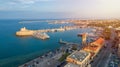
<point x="83" y="57"/>
<point x="78" y="59"/>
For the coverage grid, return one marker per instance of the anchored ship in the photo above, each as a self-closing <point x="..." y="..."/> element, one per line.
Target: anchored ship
<point x="40" y="35"/>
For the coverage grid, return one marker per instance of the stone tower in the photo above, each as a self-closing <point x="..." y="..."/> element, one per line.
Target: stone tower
<point x="84" y="38"/>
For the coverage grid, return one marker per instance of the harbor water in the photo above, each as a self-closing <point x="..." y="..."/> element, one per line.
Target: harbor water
<point x="15" y="51"/>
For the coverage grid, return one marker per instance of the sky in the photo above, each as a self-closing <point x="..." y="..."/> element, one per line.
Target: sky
<point x="52" y="9"/>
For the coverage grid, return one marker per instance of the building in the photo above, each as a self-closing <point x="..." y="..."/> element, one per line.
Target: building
<point x="84" y="38"/>
<point x="74" y="65"/>
<point x="118" y="31"/>
<point x="119" y="50"/>
<point x="24" y="32"/>
<point x="99" y="42"/>
<point x="81" y="58"/>
<point x="71" y="65"/>
<point x="94" y="47"/>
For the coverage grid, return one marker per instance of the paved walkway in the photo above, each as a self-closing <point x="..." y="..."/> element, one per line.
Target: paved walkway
<point x="43" y="61"/>
<point x="48" y="60"/>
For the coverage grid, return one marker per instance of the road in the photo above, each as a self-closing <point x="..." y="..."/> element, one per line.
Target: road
<point x="103" y="55"/>
<point x="51" y="60"/>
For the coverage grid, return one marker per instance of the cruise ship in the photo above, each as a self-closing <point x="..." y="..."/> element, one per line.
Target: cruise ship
<point x="40" y="35"/>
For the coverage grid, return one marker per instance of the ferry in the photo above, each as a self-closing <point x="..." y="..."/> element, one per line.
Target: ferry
<point x="40" y="35"/>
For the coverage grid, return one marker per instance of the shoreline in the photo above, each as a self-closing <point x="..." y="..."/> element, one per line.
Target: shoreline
<point x="49" y="55"/>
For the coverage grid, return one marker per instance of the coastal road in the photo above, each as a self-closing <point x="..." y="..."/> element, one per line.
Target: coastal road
<point x="52" y="62"/>
<point x="47" y="61"/>
<point x="102" y="57"/>
<point x="105" y="56"/>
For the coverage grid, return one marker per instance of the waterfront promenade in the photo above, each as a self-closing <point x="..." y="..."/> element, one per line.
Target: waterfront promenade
<point x="44" y="61"/>
<point x="49" y="59"/>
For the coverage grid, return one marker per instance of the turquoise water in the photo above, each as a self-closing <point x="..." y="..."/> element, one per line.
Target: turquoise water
<point x="15" y="50"/>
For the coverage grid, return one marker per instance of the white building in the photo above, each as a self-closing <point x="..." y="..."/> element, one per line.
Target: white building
<point x="78" y="58"/>
<point x="71" y="65"/>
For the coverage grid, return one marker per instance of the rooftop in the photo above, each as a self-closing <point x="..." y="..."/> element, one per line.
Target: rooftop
<point x="71" y="65"/>
<point x="90" y="47"/>
<point x="117" y="28"/>
<point x="79" y="55"/>
<point x="99" y="41"/>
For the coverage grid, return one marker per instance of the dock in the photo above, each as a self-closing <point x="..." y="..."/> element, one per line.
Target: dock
<point x="67" y="43"/>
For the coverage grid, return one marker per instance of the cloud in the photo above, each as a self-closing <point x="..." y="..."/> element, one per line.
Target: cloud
<point x="29" y="1"/>
<point x="2" y="9"/>
<point x="26" y="1"/>
<point x="11" y="3"/>
<point x="23" y="3"/>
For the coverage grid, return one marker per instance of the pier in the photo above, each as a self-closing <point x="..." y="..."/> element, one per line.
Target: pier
<point x="38" y="33"/>
<point x="25" y="32"/>
<point x="67" y="43"/>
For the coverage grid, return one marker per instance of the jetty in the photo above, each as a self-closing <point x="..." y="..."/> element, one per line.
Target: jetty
<point x="25" y="32"/>
<point x="67" y="43"/>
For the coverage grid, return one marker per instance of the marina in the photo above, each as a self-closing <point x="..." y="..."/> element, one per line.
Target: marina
<point x="60" y="33"/>
<point x="23" y="49"/>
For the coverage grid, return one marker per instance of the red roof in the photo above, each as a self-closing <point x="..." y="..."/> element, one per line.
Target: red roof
<point x="92" y="48"/>
<point x="99" y="40"/>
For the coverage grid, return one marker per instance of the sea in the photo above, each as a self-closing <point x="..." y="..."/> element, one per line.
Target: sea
<point x="15" y="50"/>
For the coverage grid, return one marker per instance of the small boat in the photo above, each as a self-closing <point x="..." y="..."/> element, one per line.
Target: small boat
<point x="91" y="34"/>
<point x="62" y="42"/>
<point x="79" y="35"/>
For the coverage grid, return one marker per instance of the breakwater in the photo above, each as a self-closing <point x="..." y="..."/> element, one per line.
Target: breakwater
<point x="25" y="32"/>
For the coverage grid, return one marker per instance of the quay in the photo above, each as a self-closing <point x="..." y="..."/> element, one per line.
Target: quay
<point x="67" y="43"/>
<point x="45" y="60"/>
